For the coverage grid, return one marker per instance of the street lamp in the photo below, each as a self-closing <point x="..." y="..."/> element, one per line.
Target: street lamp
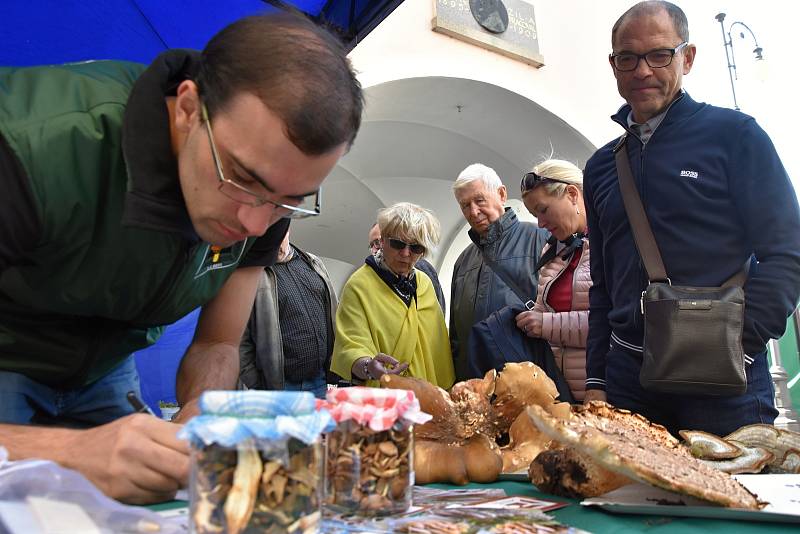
<point x="728" y="42"/>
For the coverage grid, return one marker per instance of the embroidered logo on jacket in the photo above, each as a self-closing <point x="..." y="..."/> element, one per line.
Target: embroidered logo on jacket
<point x="689" y="174"/>
<point x="217" y="258"/>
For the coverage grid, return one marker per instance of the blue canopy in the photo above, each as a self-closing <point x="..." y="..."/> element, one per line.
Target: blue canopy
<point x="36" y="32"/>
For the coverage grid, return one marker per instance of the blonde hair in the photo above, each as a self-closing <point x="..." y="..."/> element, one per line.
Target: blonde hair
<point x="567" y="173"/>
<point x="478" y="171"/>
<point x="410" y="223"/>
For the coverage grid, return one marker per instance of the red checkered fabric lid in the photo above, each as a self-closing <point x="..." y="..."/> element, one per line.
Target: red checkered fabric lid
<point x="374" y="407"/>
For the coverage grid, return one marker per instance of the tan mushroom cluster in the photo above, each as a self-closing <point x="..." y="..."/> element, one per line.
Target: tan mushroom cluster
<point x="460" y="443"/>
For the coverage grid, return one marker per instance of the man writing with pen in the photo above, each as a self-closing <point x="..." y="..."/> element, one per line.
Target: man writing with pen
<point x="133" y="195"/>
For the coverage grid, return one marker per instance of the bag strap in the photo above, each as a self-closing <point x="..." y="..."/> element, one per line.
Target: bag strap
<point x="640" y="226"/>
<point x="739" y="278"/>
<point x="529" y="303"/>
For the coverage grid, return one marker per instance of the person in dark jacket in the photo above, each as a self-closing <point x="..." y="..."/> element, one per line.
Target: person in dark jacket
<point x="289" y="338"/>
<point x="421" y="265"/>
<point x="499" y="238"/>
<point x="716" y="196"/>
<point x="133" y="195"/>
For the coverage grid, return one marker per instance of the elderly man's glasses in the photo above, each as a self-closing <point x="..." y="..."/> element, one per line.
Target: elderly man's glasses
<point x="655" y="59"/>
<point x="531" y="180"/>
<point x="308" y="207"/>
<point x="397" y="244"/>
<point x="375" y="244"/>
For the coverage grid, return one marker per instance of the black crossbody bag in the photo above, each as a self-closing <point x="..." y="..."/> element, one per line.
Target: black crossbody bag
<point x="692" y="335"/>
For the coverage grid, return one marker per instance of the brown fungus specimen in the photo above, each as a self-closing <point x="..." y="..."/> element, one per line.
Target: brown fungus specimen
<point x="460" y="443"/>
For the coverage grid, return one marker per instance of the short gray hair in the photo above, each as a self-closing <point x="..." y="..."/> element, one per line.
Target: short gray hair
<point x="410" y="223"/>
<point x="561" y="170"/>
<point x="652" y="7"/>
<point x="478" y="171"/>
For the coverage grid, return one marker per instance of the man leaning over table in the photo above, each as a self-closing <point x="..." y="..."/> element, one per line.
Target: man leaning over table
<point x="715" y="193"/>
<point x="131" y="196"/>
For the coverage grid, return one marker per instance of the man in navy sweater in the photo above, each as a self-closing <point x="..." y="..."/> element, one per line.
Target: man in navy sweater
<point x="715" y="193"/>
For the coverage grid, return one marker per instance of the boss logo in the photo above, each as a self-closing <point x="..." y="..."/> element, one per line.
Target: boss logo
<point x="689" y="174"/>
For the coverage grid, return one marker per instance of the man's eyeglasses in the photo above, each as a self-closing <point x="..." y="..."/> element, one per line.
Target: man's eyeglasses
<point x="655" y="59"/>
<point x="375" y="244"/>
<point x="309" y="207"/>
<point x="397" y="244"/>
<point x="531" y="180"/>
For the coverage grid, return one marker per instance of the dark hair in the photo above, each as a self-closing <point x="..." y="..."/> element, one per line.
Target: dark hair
<point x="652" y="7"/>
<point x="298" y="69"/>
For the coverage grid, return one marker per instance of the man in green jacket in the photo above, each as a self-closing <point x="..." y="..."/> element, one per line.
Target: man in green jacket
<point x="131" y="196"/>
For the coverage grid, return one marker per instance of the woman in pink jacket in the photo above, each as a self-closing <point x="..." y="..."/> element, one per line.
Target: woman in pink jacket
<point x="553" y="193"/>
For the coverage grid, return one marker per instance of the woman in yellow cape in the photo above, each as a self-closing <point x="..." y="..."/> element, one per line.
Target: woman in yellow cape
<point x="389" y="320"/>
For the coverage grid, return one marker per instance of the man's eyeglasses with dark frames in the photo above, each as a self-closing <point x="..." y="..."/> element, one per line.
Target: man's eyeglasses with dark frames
<point x="655" y="59"/>
<point x="241" y="194"/>
<point x="397" y="244"/>
<point x="531" y="180"/>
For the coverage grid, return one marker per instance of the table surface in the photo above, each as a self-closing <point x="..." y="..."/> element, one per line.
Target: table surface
<point x="596" y="520"/>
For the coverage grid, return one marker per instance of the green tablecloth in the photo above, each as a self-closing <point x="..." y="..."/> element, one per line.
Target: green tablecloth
<point x="598" y="521"/>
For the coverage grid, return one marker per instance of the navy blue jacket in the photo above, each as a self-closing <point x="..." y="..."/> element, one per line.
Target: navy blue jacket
<point x="715" y="193"/>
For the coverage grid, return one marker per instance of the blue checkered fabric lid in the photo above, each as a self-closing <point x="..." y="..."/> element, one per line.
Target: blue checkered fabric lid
<point x="230" y="417"/>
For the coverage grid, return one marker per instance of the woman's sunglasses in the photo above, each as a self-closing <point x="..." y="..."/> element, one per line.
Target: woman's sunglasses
<point x="531" y="180"/>
<point x="396" y="244"/>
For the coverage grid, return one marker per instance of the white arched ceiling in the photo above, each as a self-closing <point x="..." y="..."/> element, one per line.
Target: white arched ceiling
<point x="417" y="135"/>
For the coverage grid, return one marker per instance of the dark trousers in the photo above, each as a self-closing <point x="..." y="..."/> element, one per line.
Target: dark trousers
<point x="718" y="415"/>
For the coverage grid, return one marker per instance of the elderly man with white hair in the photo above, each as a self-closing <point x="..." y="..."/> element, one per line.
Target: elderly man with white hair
<point x="499" y="238"/>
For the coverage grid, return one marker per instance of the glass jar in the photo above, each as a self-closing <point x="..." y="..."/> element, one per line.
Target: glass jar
<point x="256" y="486"/>
<point x="369" y="472"/>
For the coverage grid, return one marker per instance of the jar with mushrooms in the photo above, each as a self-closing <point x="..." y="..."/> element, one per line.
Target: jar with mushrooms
<point x="369" y="465"/>
<point x="256" y="462"/>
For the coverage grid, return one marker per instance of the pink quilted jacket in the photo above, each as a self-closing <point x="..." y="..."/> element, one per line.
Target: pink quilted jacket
<point x="567" y="331"/>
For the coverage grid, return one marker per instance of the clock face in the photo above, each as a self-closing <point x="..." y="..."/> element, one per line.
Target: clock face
<point x="491" y="14"/>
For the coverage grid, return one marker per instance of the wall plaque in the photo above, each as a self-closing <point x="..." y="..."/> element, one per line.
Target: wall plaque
<point x="507" y="27"/>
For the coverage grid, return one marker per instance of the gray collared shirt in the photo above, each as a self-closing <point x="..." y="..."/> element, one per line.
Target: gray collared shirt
<point x="646" y="129"/>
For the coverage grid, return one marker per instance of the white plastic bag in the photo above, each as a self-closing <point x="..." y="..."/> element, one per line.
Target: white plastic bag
<point x="39" y="494"/>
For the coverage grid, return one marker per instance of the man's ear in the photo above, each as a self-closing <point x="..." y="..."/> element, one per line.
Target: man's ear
<point x="503" y="193"/>
<point x="688" y="57"/>
<point x="187" y="106"/>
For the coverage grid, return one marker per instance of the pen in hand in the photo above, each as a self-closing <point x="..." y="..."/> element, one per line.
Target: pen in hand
<point x="138" y="405"/>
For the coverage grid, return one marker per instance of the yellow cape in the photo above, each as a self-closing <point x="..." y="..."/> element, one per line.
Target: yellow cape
<point x="371" y="318"/>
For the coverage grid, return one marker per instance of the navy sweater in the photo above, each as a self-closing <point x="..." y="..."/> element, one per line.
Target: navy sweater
<point x="715" y="192"/>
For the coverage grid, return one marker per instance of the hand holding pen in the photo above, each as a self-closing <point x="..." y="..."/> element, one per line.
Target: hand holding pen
<point x="138" y="405"/>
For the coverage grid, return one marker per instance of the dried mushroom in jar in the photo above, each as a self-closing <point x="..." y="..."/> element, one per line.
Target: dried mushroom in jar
<point x="369" y="472"/>
<point x="246" y="490"/>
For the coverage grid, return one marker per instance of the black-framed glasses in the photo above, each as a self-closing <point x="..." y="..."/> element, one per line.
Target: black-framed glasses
<point x="655" y="59"/>
<point x="531" y="180"/>
<point x="375" y="244"/>
<point x="398" y="244"/>
<point x="309" y="207"/>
